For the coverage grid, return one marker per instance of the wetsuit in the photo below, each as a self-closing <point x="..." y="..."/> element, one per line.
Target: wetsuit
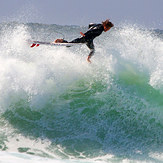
<point x="94" y="31"/>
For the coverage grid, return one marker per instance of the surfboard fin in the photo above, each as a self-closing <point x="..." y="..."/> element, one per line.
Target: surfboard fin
<point x="34" y="45"/>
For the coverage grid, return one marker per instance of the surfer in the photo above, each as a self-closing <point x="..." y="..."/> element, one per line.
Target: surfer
<point x="88" y="37"/>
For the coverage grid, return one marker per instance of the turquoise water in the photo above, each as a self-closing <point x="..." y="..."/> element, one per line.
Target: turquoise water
<point x="54" y="106"/>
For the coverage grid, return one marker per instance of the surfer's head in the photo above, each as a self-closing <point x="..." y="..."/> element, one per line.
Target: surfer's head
<point x="107" y="25"/>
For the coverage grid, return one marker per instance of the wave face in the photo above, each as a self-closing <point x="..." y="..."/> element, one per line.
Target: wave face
<point x="55" y="105"/>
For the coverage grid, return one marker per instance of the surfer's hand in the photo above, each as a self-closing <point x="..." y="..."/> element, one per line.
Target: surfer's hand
<point x="82" y="34"/>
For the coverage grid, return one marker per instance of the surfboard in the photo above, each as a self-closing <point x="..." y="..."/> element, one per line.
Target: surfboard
<point x="37" y="43"/>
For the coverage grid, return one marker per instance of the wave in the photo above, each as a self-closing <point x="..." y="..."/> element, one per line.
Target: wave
<point x="52" y="98"/>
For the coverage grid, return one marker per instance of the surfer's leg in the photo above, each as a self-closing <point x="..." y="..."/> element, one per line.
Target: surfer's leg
<point x="78" y="40"/>
<point x="91" y="47"/>
<point x="92" y="50"/>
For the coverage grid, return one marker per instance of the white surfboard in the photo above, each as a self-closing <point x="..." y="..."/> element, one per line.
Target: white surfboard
<point x="37" y="43"/>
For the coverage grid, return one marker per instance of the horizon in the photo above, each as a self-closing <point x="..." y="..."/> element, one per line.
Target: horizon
<point x="143" y="13"/>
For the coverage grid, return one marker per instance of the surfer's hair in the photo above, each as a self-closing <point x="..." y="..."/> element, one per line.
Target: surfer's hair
<point x="107" y="23"/>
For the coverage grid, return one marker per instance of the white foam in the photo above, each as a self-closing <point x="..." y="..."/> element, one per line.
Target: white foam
<point x="35" y="73"/>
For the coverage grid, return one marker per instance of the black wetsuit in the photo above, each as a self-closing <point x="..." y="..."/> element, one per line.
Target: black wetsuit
<point x="94" y="31"/>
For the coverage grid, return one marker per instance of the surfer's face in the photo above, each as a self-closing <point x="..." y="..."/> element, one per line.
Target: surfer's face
<point x="106" y="28"/>
<point x="107" y="25"/>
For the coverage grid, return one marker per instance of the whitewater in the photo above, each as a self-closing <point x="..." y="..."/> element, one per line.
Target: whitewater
<point x="57" y="107"/>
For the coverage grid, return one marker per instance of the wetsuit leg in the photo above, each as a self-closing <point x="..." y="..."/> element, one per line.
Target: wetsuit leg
<point x="89" y="44"/>
<point x="78" y="40"/>
<point x="91" y="47"/>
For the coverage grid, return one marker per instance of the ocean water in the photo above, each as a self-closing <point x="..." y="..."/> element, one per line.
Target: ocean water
<point x="56" y="107"/>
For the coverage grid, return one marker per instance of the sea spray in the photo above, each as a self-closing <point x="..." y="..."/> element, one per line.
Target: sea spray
<point x="110" y="110"/>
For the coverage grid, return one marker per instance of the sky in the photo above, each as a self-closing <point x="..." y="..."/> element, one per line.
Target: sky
<point x="146" y="13"/>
